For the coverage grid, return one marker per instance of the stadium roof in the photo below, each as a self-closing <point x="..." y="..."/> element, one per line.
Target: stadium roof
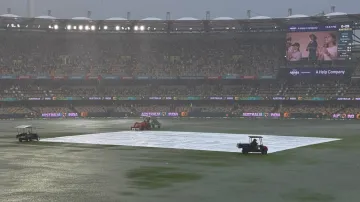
<point x="260" y="17"/>
<point x="223" y="18"/>
<point x="9" y="16"/>
<point x="298" y="16"/>
<point x="151" y="18"/>
<point x="336" y="14"/>
<point x="187" y="18"/>
<point x="116" y="18"/>
<point x="182" y="24"/>
<point x="80" y="18"/>
<point x="45" y="17"/>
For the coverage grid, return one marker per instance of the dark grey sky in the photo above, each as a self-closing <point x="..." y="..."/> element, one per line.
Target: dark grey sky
<point x="103" y="9"/>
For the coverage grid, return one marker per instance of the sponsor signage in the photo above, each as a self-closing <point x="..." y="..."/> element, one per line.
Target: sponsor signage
<point x="169" y="114"/>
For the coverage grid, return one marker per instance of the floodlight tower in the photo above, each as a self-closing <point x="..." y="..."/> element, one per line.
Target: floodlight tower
<point x="30" y="8"/>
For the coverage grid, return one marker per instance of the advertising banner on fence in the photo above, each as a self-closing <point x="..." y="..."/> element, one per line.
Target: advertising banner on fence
<point x="166" y="114"/>
<point x="7" y="77"/>
<point x="256" y="114"/>
<point x="57" y="115"/>
<point x="80" y="77"/>
<point x="343" y="116"/>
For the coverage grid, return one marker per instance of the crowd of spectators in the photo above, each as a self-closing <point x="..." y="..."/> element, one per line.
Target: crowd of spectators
<point x="138" y="55"/>
<point x="242" y="90"/>
<point x="351" y="109"/>
<point x="319" y="108"/>
<point x="44" y="110"/>
<point x="15" y="110"/>
<point x="266" y="108"/>
<point x="157" y="55"/>
<point x="91" y="108"/>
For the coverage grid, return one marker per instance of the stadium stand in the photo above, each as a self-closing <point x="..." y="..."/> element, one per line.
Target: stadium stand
<point x="30" y="53"/>
<point x="52" y="109"/>
<point x="161" y="59"/>
<point x="95" y="109"/>
<point x="15" y="110"/>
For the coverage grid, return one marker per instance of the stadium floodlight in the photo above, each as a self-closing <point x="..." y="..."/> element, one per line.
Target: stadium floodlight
<point x="136" y="28"/>
<point x="56" y="27"/>
<point x="117" y="28"/>
<point x="142" y="28"/>
<point x="93" y="27"/>
<point x="87" y="27"/>
<point x="105" y="27"/>
<point x="81" y="27"/>
<point x="68" y="27"/>
<point x="75" y="27"/>
<point x="50" y="27"/>
<point x="18" y="25"/>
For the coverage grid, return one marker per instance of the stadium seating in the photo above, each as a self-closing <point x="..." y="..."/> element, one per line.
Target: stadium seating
<point x="321" y="108"/>
<point x="91" y="109"/>
<point x="332" y="89"/>
<point x="44" y="110"/>
<point x="15" y="110"/>
<point x="38" y="53"/>
<point x="30" y="53"/>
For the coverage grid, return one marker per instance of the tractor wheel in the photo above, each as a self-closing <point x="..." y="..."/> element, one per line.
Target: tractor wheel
<point x="244" y="151"/>
<point x="264" y="152"/>
<point x="20" y="140"/>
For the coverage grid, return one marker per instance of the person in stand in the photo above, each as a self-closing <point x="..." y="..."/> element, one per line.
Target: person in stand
<point x="312" y="47"/>
<point x="329" y="51"/>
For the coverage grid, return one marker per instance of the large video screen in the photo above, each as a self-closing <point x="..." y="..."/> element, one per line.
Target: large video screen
<point x="320" y="42"/>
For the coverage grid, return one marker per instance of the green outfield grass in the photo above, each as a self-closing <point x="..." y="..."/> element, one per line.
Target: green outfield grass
<point x="42" y="171"/>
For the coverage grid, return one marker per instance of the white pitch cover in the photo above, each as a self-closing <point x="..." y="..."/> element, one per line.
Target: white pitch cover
<point x="222" y="142"/>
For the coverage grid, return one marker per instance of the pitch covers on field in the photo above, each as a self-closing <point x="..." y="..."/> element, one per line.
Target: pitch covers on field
<point x="222" y="142"/>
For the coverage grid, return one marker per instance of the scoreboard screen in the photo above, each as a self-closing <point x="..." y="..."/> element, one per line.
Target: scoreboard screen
<point x="319" y="42"/>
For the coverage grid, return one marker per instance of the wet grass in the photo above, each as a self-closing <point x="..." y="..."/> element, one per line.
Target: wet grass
<point x="157" y="172"/>
<point x="306" y="195"/>
<point x="159" y="177"/>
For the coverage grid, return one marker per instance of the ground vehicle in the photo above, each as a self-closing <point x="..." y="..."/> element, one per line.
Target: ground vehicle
<point x="149" y="123"/>
<point x="154" y="123"/>
<point x="253" y="146"/>
<point x="25" y="133"/>
<point x="141" y="126"/>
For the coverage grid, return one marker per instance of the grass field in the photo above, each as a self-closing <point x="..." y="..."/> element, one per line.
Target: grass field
<point x="43" y="171"/>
